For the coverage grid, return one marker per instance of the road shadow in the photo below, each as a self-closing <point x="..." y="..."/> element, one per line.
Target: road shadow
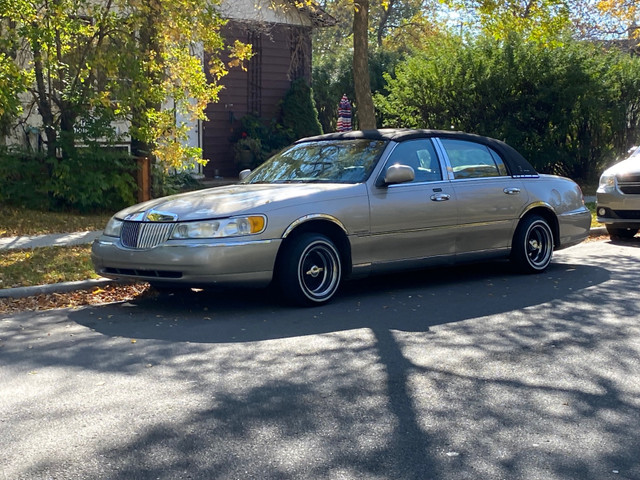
<point x="261" y="390"/>
<point x="629" y="242"/>
<point x="413" y="301"/>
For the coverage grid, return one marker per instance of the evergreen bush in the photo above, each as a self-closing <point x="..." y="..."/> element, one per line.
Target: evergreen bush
<point x="24" y="180"/>
<point x="569" y="108"/>
<point x="90" y="180"/>
<point x="299" y="114"/>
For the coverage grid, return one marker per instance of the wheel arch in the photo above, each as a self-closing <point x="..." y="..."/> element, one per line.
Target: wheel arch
<point x="546" y="212"/>
<point x="326" y="225"/>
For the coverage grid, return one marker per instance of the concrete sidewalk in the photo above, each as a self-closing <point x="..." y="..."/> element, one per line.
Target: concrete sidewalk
<point x="54" y="240"/>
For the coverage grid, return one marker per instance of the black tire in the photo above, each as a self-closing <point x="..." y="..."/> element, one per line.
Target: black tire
<point x="310" y="270"/>
<point x="617" y="233"/>
<point x="532" y="247"/>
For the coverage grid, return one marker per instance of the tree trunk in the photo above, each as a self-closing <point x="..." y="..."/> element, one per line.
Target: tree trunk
<point x="44" y="106"/>
<point x="364" y="100"/>
<point x="148" y="48"/>
<point x="384" y="18"/>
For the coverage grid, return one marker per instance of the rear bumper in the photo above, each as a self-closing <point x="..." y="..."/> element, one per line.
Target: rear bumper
<point x="574" y="227"/>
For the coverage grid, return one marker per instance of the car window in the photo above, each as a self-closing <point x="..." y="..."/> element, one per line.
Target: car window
<point x="473" y="160"/>
<point x="328" y="161"/>
<point x="419" y="155"/>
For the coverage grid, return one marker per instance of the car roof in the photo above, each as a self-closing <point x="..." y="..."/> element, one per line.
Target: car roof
<point x="517" y="164"/>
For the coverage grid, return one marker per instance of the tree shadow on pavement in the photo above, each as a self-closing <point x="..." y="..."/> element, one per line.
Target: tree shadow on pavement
<point x="409" y="376"/>
<point x="411" y="301"/>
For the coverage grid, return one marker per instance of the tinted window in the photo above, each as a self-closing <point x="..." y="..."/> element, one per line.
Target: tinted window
<point x="419" y="155"/>
<point x="473" y="160"/>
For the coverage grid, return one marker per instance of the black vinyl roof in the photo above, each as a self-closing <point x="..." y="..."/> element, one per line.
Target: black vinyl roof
<point x="517" y="164"/>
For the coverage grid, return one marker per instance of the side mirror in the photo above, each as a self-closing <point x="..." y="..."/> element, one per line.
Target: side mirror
<point x="399" y="174"/>
<point x="244" y="173"/>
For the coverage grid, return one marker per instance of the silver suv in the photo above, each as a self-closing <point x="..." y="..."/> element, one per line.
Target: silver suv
<point x="618" y="197"/>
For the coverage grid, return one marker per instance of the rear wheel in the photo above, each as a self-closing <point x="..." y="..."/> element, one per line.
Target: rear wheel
<point x="310" y="270"/>
<point x="532" y="245"/>
<point x="617" y="233"/>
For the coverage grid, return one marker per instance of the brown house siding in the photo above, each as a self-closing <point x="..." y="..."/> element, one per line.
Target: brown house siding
<point x="282" y="54"/>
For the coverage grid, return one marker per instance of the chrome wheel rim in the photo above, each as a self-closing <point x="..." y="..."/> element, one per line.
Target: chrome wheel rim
<point x="539" y="245"/>
<point x="319" y="271"/>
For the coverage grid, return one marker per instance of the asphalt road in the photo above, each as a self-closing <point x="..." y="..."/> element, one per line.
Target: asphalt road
<point x="463" y="373"/>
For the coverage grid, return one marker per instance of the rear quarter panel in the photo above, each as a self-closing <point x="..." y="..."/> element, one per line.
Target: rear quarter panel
<point x="564" y="198"/>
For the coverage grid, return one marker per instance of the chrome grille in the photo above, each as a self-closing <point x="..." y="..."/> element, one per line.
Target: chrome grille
<point x="629" y="183"/>
<point x="144" y="234"/>
<point x="629" y="177"/>
<point x="629" y="188"/>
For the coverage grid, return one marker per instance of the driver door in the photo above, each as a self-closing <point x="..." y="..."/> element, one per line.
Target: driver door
<point x="416" y="219"/>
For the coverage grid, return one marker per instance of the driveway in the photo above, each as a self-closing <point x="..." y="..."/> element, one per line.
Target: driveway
<point x="462" y="373"/>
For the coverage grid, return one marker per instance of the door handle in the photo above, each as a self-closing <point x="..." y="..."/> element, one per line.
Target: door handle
<point x="440" y="197"/>
<point x="511" y="191"/>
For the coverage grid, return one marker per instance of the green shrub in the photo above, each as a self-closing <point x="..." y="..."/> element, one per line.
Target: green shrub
<point x="299" y="114"/>
<point x="567" y="108"/>
<point x="24" y="180"/>
<point x="89" y="180"/>
<point x="165" y="183"/>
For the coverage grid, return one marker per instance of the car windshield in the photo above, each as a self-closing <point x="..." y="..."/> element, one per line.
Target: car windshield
<point x="327" y="161"/>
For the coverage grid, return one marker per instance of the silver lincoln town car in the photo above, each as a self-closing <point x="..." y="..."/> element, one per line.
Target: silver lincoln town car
<point x="348" y="204"/>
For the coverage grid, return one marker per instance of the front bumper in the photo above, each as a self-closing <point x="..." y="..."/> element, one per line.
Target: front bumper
<point x="618" y="209"/>
<point x="188" y="262"/>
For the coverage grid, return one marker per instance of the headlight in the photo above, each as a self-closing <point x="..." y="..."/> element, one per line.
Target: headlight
<point x="229" y="227"/>
<point x="113" y="228"/>
<point x="607" y="183"/>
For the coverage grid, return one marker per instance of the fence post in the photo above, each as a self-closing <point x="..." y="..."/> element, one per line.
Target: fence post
<point x="144" y="179"/>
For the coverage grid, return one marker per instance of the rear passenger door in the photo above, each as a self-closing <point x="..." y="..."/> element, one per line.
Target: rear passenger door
<point x="489" y="199"/>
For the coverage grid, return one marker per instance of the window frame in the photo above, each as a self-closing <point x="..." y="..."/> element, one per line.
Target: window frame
<point x="498" y="162"/>
<point x="437" y="157"/>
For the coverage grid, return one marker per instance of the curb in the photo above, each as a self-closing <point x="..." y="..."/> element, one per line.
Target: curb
<point x="63" y="287"/>
<point x="22" y="292"/>
<point x="598" y="231"/>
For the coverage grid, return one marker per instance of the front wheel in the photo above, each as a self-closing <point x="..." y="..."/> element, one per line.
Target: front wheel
<point x="310" y="270"/>
<point x="532" y="245"/>
<point x="617" y="233"/>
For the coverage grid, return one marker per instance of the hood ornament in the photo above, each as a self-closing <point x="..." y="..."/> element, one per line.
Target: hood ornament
<point x="158" y="216"/>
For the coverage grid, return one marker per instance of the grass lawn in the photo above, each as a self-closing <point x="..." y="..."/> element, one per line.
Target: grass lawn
<point x="18" y="221"/>
<point x="592" y="208"/>
<point x="23" y="268"/>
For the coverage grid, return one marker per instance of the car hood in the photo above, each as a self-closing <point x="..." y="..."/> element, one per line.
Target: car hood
<point x="629" y="166"/>
<point x="231" y="200"/>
